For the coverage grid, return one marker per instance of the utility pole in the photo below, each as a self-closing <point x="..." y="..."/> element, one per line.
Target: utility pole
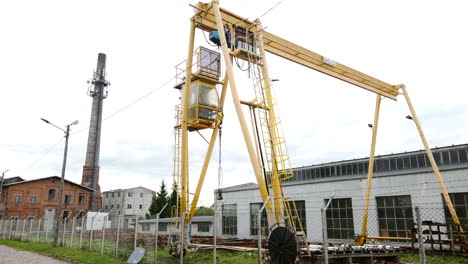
<point x="62" y="178"/>
<point x="1" y="193"/>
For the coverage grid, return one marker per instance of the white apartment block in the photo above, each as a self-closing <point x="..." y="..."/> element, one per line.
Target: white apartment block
<point x="129" y="203"/>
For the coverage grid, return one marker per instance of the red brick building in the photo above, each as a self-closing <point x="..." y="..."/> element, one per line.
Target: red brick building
<point x="38" y="198"/>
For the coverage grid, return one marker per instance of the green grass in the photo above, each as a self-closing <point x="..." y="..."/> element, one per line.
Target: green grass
<point x="66" y="254"/>
<point x="433" y="259"/>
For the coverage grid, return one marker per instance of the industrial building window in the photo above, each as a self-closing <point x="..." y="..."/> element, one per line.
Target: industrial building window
<point x="33" y="199"/>
<point x="146" y="227"/>
<point x="81" y="199"/>
<point x="112" y="206"/>
<point x="162" y="227"/>
<point x="254" y="207"/>
<point x="229" y="219"/>
<point x="17" y="198"/>
<point x="118" y="194"/>
<point x="203" y="227"/>
<point x="112" y="195"/>
<point x="340" y="219"/>
<point x="141" y="195"/>
<point x="460" y="204"/>
<point x="67" y="199"/>
<point x="130" y="194"/>
<point x="141" y="206"/>
<point x="51" y="194"/>
<point x="129" y="206"/>
<point x="107" y="195"/>
<point x="395" y="215"/>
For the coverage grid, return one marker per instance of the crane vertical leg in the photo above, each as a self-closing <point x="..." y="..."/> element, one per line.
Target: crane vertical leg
<point x="275" y="179"/>
<point x="185" y="103"/>
<point x="208" y="152"/>
<point x="362" y="237"/>
<point x="431" y="159"/>
<point x="237" y="105"/>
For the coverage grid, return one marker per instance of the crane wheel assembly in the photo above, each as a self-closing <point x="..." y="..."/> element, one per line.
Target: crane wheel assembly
<point x="282" y="246"/>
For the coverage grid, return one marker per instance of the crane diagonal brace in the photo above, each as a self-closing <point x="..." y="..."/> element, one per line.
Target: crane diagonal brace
<point x="204" y="19"/>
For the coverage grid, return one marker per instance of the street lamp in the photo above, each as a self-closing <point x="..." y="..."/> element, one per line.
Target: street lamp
<point x="62" y="179"/>
<point x="1" y="192"/>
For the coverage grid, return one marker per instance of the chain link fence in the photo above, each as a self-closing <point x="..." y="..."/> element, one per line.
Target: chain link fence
<point x="389" y="227"/>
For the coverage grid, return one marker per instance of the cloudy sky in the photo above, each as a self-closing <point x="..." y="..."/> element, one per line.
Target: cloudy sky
<point x="49" y="50"/>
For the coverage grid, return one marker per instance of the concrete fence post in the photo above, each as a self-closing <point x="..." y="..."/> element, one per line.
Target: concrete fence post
<point x="422" y="251"/>
<point x="72" y="232"/>
<point x="38" y="230"/>
<point x="81" y="231"/>
<point x="103" y="235"/>
<point x="118" y="236"/>
<point x="136" y="233"/>
<point x="11" y="229"/>
<point x="30" y="229"/>
<point x="64" y="230"/>
<point x="1" y="227"/>
<point x="91" y="233"/>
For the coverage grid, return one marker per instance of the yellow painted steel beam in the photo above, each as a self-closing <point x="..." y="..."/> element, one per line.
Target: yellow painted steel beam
<point x="237" y="106"/>
<point x="361" y="239"/>
<point x="184" y="189"/>
<point x="431" y="159"/>
<point x="275" y="179"/>
<point x="205" y="20"/>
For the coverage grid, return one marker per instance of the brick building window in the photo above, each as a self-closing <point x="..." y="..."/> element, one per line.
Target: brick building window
<point x="141" y="206"/>
<point x="81" y="199"/>
<point x="67" y="199"/>
<point x="51" y="194"/>
<point x="17" y="198"/>
<point x="33" y="199"/>
<point x="129" y="206"/>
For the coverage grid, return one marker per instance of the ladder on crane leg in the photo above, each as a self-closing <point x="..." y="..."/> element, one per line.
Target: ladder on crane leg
<point x="176" y="173"/>
<point x="276" y="155"/>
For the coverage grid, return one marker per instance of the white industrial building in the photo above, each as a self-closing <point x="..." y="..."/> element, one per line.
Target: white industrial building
<point x="401" y="182"/>
<point x="200" y="226"/>
<point x="129" y="203"/>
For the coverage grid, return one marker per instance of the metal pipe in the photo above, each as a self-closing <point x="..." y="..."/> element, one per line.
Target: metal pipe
<point x="422" y="251"/>
<point x="324" y="229"/>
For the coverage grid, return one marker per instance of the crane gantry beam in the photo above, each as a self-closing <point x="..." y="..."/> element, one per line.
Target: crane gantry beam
<point x="204" y="19"/>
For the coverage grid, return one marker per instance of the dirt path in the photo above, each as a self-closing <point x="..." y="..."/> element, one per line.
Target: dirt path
<point x="10" y="255"/>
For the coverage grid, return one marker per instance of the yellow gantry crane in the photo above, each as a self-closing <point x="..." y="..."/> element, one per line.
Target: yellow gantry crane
<point x="201" y="108"/>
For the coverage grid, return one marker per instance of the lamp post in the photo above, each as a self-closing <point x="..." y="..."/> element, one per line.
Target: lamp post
<point x="62" y="179"/>
<point x="1" y="192"/>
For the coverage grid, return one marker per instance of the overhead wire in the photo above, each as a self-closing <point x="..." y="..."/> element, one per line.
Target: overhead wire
<point x="45" y="154"/>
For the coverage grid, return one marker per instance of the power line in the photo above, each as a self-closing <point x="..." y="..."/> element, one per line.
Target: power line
<point x="273" y="7"/>
<point x="45" y="154"/>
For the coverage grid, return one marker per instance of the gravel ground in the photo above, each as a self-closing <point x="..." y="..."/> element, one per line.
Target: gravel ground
<point x="10" y="255"/>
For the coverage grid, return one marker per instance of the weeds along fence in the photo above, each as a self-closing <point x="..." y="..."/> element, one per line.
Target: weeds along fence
<point x="396" y="226"/>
